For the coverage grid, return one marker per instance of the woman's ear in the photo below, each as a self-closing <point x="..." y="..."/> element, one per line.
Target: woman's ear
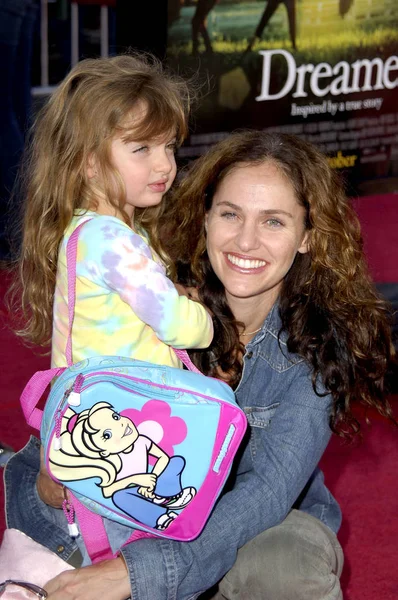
<point x="303" y="249"/>
<point x="206" y="221"/>
<point x="104" y="453"/>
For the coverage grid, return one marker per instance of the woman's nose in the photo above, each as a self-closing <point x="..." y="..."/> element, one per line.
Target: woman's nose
<point x="247" y="238"/>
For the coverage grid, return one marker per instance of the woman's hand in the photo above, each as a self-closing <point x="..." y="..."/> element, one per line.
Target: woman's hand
<point x="108" y="579"/>
<point x="49" y="491"/>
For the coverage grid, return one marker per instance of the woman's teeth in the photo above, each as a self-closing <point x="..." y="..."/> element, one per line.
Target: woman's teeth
<point x="245" y="263"/>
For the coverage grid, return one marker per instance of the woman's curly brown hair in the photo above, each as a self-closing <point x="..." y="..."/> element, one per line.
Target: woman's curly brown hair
<point x="329" y="307"/>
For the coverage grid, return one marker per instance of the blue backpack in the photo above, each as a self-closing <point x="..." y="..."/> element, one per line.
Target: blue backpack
<point x="146" y="445"/>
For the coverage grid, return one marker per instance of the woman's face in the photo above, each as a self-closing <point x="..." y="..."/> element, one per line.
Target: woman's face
<point x="255" y="228"/>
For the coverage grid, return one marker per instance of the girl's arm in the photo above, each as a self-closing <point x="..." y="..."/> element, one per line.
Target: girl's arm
<point x="117" y="258"/>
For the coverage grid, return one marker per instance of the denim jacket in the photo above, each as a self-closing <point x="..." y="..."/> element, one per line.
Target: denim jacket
<point x="276" y="470"/>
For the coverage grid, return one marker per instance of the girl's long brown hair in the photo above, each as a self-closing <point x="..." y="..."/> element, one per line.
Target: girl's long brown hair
<point x="91" y="106"/>
<point x="330" y="310"/>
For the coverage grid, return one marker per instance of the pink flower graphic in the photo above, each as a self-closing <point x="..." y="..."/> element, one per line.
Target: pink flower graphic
<point x="155" y="422"/>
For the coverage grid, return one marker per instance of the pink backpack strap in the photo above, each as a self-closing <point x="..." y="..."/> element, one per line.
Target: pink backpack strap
<point x="184" y="358"/>
<point x="71" y="258"/>
<point x="93" y="531"/>
<point x="32" y="393"/>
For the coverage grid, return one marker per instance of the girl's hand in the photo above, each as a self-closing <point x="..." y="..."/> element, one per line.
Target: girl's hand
<point x="108" y="579"/>
<point x="190" y="292"/>
<point x="49" y="491"/>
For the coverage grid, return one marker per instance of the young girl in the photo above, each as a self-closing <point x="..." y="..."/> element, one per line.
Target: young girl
<point x="103" y="152"/>
<point x="103" y="155"/>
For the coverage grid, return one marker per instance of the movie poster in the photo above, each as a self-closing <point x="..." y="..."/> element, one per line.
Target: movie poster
<point x="326" y="70"/>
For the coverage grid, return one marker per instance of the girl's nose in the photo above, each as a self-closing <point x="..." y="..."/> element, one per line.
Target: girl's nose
<point x="164" y="162"/>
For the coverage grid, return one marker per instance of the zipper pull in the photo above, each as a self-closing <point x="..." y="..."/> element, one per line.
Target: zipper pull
<point x="57" y="443"/>
<point x="69" y="513"/>
<point x="74" y="395"/>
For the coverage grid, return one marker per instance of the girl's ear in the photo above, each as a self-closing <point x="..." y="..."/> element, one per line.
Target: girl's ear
<point x="206" y="221"/>
<point x="303" y="249"/>
<point x="104" y="453"/>
<point x="92" y="170"/>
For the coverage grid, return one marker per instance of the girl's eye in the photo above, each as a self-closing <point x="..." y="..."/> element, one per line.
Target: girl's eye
<point x="172" y="146"/>
<point x="140" y="149"/>
<point x="116" y="416"/>
<point x="107" y="434"/>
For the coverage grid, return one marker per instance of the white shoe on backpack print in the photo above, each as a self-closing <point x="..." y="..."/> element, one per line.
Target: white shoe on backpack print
<point x="182" y="499"/>
<point x="165" y="520"/>
<point x="178" y="501"/>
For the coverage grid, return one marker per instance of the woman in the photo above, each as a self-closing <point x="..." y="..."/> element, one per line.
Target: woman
<point x="262" y="229"/>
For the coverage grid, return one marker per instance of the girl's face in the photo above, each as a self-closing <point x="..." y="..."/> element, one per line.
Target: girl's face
<point x="115" y="433"/>
<point x="148" y="169"/>
<point x="255" y="228"/>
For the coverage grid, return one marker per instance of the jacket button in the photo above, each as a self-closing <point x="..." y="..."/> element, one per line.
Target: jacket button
<point x="249" y="355"/>
<point x="60" y="549"/>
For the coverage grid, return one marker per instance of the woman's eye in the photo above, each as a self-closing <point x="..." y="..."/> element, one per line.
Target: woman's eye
<point x="274" y="222"/>
<point x="116" y="416"/>
<point x="228" y="215"/>
<point x="107" y="434"/>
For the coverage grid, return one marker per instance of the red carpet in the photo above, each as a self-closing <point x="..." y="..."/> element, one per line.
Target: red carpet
<point x="362" y="477"/>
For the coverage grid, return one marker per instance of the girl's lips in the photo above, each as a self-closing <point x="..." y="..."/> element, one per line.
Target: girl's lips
<point x="158" y="187"/>
<point x="244" y="264"/>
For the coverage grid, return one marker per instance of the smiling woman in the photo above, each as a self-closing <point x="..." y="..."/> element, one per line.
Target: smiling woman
<point x="255" y="227"/>
<point x="262" y="228"/>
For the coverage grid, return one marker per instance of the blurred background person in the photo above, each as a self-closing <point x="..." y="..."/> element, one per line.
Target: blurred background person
<point x="17" y="25"/>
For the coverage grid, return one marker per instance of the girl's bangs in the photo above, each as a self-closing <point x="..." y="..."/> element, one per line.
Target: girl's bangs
<point x="160" y="119"/>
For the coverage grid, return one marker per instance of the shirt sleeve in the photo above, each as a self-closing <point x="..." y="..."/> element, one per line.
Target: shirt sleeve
<point x="114" y="256"/>
<point x="286" y="456"/>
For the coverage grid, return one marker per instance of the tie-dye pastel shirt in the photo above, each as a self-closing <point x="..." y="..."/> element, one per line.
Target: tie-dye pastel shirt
<point x="125" y="304"/>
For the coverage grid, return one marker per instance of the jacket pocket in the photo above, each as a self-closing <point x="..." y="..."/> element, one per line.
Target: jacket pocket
<point x="260" y="416"/>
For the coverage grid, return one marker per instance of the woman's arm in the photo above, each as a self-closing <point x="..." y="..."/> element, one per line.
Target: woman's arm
<point x="278" y="461"/>
<point x="108" y="579"/>
<point x="285" y="456"/>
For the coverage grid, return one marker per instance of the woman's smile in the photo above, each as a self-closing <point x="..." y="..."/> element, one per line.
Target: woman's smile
<point x="244" y="264"/>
